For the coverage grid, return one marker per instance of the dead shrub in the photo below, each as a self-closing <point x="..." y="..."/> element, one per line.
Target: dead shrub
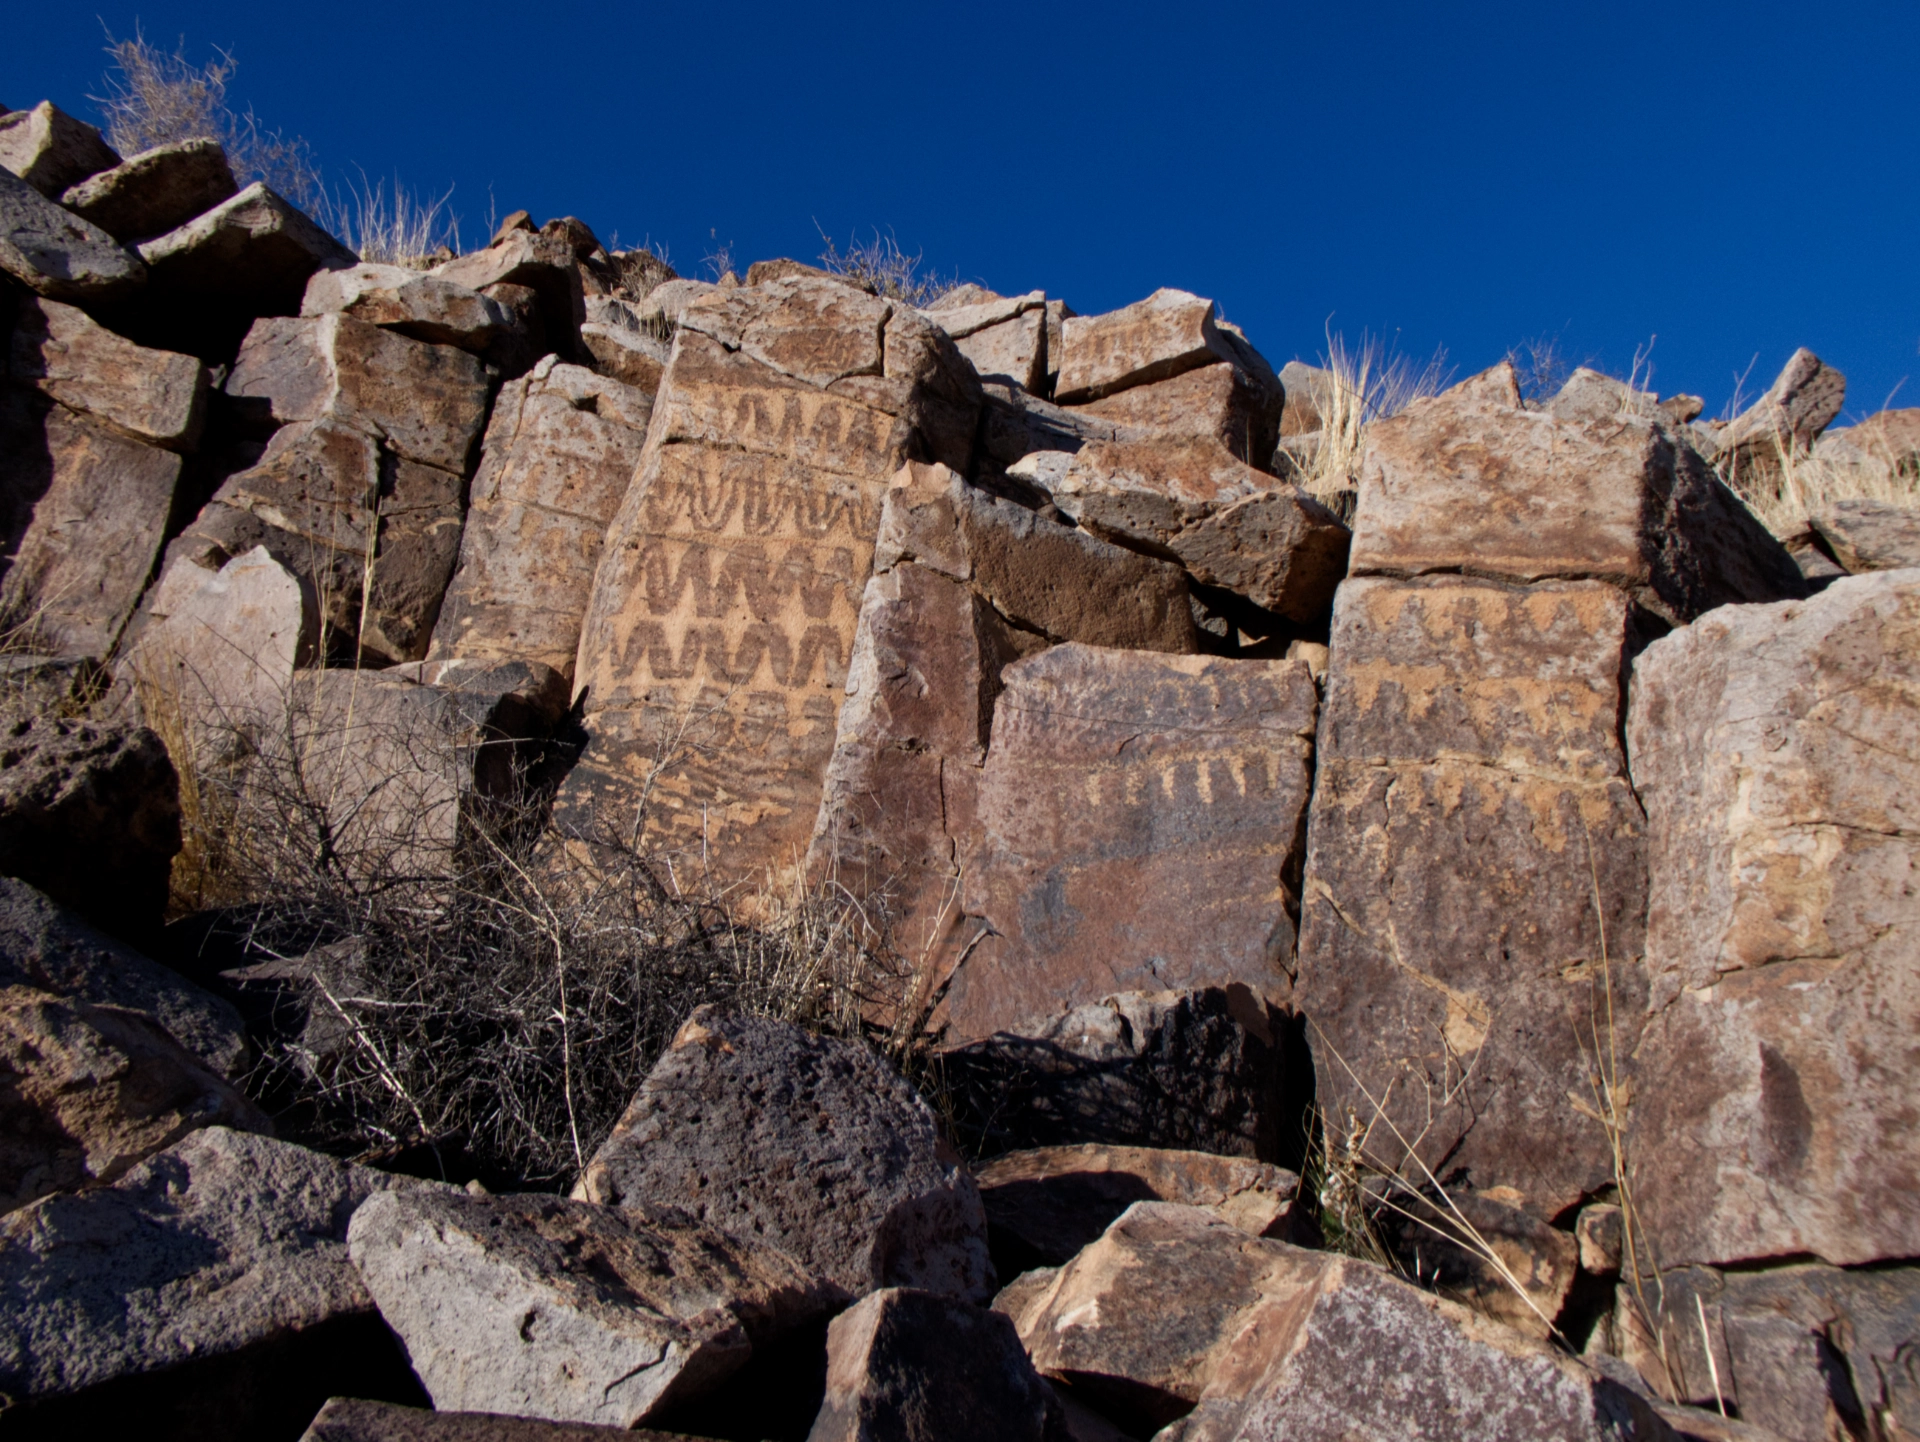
<point x="882" y="264"/>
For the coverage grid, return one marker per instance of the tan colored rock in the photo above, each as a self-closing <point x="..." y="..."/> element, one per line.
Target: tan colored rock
<point x="155" y="191"/>
<point x="1887" y="442"/>
<point x="346" y="1419"/>
<point x="1866" y="535"/>
<point x="424" y="307"/>
<point x="723" y="613"/>
<point x="1308" y="397"/>
<point x="378" y="574"/>
<point x="1801" y="403"/>
<point x="1472" y="835"/>
<point x="256" y="248"/>
<point x="1473" y="481"/>
<point x="542" y="263"/>
<point x="1137" y="827"/>
<point x="1228" y="524"/>
<point x="629" y="356"/>
<point x="1004" y="338"/>
<point x="425" y="402"/>
<point x="1155" y="339"/>
<point x="50" y="150"/>
<point x="88" y="1092"/>
<point x="536" y="1306"/>
<point x="1047" y="1203"/>
<point x="908" y="1366"/>
<point x="1497" y="1260"/>
<point x="84" y="512"/>
<point x="559" y="455"/>
<point x="1774" y="748"/>
<point x="55" y="253"/>
<point x="1221" y="401"/>
<point x="153" y="396"/>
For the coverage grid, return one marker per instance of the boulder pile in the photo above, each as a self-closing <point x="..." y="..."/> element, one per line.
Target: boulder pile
<point x="1433" y="955"/>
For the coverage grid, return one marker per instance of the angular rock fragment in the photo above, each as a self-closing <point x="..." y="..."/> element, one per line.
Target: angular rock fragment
<point x="1138" y="827"/>
<point x="152" y="396"/>
<point x="87" y="1092"/>
<point x="1476" y="879"/>
<point x="1866" y="535"/>
<point x="1883" y="446"/>
<point x="207" y="1293"/>
<point x="426" y="403"/>
<point x="1045" y="1204"/>
<point x="55" y="253"/>
<point x="50" y="150"/>
<point x="1473" y="481"/>
<point x="627" y="355"/>
<point x="1496" y="1259"/>
<point x="808" y="1143"/>
<point x="1775" y="750"/>
<point x="1004" y="337"/>
<point x="346" y="1419"/>
<point x="156" y="191"/>
<point x="1155" y="339"/>
<point x="1224" y="402"/>
<point x="256" y="248"/>
<point x="42" y="945"/>
<point x="423" y="307"/>
<point x="909" y="1366"/>
<point x="1309" y="396"/>
<point x="1801" y="403"/>
<point x="559" y="456"/>
<point x="543" y="264"/>
<point x="1594" y="397"/>
<point x="1229" y="525"/>
<point x="90" y="814"/>
<point x="723" y="614"/>
<point x="536" y="1306"/>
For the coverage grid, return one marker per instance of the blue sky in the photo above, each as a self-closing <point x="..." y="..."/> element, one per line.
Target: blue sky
<point x="1735" y="180"/>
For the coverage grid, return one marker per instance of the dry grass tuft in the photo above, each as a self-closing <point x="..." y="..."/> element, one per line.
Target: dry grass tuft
<point x="1366" y="383"/>
<point x="882" y="264"/>
<point x="1794" y="484"/>
<point x="396" y="230"/>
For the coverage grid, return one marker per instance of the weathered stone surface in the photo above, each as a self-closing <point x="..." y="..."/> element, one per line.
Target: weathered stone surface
<point x="629" y="356"/>
<point x="55" y="253"/>
<point x="1775" y="750"/>
<point x="1599" y="1235"/>
<point x="1446" y="1243"/>
<point x="536" y="1306"/>
<point x="667" y="300"/>
<point x="1044" y="1205"/>
<point x="89" y="814"/>
<point x="542" y="263"/>
<point x="723" y="613"/>
<point x="1869" y="535"/>
<point x="323" y="496"/>
<point x="50" y="150"/>
<point x="559" y="455"/>
<point x="256" y="248"/>
<point x="1357" y="1353"/>
<point x="1005" y="338"/>
<point x="1216" y="1071"/>
<point x="1886" y="444"/>
<point x="1138" y="827"/>
<point x="425" y="402"/>
<point x="83" y="512"/>
<point x="1309" y="391"/>
<point x="346" y="1419"/>
<point x="425" y="307"/>
<point x="1801" y="403"/>
<point x="156" y="191"/>
<point x="1472" y="481"/>
<point x="910" y="1366"/>
<point x="808" y="1143"/>
<point x="1222" y="402"/>
<point x="86" y="1092"/>
<point x="1593" y="397"/>
<point x="1473" y="835"/>
<point x="964" y="294"/>
<point x="1155" y="339"/>
<point x="42" y="945"/>
<point x="208" y="1289"/>
<point x="1811" y="1352"/>
<point x="1229" y="525"/>
<point x="152" y="396"/>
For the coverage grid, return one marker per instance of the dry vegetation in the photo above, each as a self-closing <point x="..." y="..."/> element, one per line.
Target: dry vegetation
<point x="1365" y="383"/>
<point x="882" y="264"/>
<point x="1794" y="483"/>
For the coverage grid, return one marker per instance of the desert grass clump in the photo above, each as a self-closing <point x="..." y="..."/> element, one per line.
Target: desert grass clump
<point x="882" y="264"/>
<point x="1787" y="484"/>
<point x="401" y="228"/>
<point x="1364" y="383"/>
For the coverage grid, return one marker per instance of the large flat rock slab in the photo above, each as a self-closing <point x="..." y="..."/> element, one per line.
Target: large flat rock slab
<point x="152" y="396"/>
<point x="1168" y="333"/>
<point x="256" y="249"/>
<point x="1775" y="748"/>
<point x="55" y="253"/>
<point x="154" y="191"/>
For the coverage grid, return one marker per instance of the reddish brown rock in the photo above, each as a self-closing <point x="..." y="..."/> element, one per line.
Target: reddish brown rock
<point x="50" y="150"/>
<point x="87" y="1092"/>
<point x="1473" y="842"/>
<point x="629" y="356"/>
<point x="1231" y="526"/>
<point x="1138" y="827"/>
<point x="1801" y="403"/>
<point x="151" y="396"/>
<point x="1222" y="402"/>
<point x="1866" y="535"/>
<point x="543" y="264"/>
<point x="1472" y="481"/>
<point x="908" y="1366"/>
<point x="1045" y="1204"/>
<point x="1308" y="397"/>
<point x="723" y="614"/>
<point x="1774" y="748"/>
<point x="559" y="455"/>
<point x="1165" y="335"/>
<point x="255" y="249"/>
<point x="424" y="307"/>
<point x="153" y="192"/>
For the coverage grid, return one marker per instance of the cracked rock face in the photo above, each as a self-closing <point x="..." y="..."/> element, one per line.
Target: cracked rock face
<point x="1474" y="846"/>
<point x="1775" y="749"/>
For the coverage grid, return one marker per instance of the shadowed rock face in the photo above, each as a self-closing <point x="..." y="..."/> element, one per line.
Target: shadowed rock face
<point x="346" y="1419"/>
<point x="1476" y="880"/>
<point x="807" y="1142"/>
<point x="1774" y="747"/>
<point x="50" y="150"/>
<point x="153" y="192"/>
<point x="1870" y="535"/>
